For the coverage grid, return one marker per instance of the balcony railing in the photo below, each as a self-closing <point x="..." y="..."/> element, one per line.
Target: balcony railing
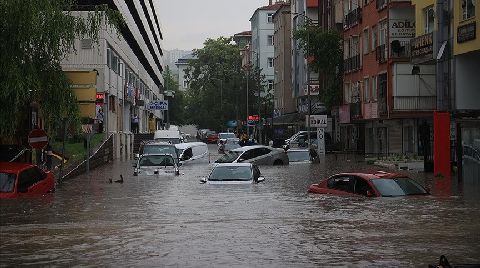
<point x="381" y="53"/>
<point x="356" y="110"/>
<point x="353" y="18"/>
<point x="381" y="4"/>
<point x="400" y="49"/>
<point x="414" y="103"/>
<point x="351" y="64"/>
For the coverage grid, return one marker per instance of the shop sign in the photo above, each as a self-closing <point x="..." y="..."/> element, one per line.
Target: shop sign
<point x="402" y="28"/>
<point x="466" y="32"/>
<point x="422" y="47"/>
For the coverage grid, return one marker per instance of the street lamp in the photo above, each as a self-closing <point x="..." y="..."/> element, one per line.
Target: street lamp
<point x="307" y="70"/>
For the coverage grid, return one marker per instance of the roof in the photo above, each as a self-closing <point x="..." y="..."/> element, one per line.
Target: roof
<point x="189" y="144"/>
<point x="233" y="165"/>
<point x="14" y="166"/>
<point x="244" y="33"/>
<point x="186" y="59"/>
<point x="245" y="148"/>
<point x="143" y="155"/>
<point x="375" y="175"/>
<point x="273" y="7"/>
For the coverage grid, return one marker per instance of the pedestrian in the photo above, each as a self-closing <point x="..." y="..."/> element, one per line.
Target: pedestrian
<point x="135" y="122"/>
<point x="48" y="156"/>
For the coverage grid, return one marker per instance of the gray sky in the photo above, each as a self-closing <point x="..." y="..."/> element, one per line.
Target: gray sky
<point x="188" y="23"/>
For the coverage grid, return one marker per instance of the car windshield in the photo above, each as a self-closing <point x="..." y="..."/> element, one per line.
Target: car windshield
<point x="229" y="157"/>
<point x="243" y="173"/>
<point x="398" y="187"/>
<point x="160" y="149"/>
<point x="226" y="135"/>
<point x="298" y="156"/>
<point x="170" y="140"/>
<point x="156" y="160"/>
<point x="7" y="182"/>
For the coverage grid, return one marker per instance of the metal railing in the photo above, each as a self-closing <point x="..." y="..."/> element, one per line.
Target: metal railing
<point x="351" y="64"/>
<point x="381" y="53"/>
<point x="414" y="103"/>
<point x="400" y="49"/>
<point x="353" y="18"/>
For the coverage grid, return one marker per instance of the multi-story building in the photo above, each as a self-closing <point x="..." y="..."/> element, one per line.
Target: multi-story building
<point x="262" y="42"/>
<point x="284" y="99"/>
<point x="387" y="105"/>
<point x="128" y="65"/>
<point x="170" y="57"/>
<point x="182" y="64"/>
<point x="243" y="39"/>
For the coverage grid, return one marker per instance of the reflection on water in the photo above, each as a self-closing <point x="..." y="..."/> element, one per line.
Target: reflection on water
<point x="148" y="221"/>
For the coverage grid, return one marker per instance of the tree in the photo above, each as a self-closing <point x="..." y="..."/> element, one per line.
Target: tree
<point x="34" y="38"/>
<point x="324" y="52"/>
<point x="177" y="103"/>
<point x="217" y="82"/>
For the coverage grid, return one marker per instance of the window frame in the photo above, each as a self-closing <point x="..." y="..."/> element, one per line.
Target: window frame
<point x="426" y="19"/>
<point x="465" y="10"/>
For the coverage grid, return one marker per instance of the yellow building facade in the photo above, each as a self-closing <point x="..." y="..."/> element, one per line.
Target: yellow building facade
<point x="421" y="12"/>
<point x="84" y="86"/>
<point x="466" y="21"/>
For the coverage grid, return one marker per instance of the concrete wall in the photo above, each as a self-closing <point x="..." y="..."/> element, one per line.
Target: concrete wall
<point x="467" y="81"/>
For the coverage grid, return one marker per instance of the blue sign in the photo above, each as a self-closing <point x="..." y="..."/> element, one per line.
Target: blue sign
<point x="161" y="105"/>
<point x="232" y="123"/>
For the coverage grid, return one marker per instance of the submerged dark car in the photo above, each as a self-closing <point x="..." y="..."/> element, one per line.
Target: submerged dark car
<point x="369" y="184"/>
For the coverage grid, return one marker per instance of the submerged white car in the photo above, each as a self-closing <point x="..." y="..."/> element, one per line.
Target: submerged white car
<point x="156" y="165"/>
<point x="234" y="173"/>
<point x="256" y="154"/>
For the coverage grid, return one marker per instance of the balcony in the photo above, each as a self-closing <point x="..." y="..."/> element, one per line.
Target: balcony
<point x="353" y="18"/>
<point x="400" y="49"/>
<point x="381" y="4"/>
<point x="414" y="103"/>
<point x="370" y="110"/>
<point x="381" y="53"/>
<point x="351" y="64"/>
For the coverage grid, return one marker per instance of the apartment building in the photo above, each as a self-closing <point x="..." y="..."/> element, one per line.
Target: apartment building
<point x="387" y="107"/>
<point x="128" y="66"/>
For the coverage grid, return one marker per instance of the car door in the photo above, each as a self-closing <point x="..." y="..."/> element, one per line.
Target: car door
<point x="341" y="185"/>
<point x="362" y="187"/>
<point x="29" y="181"/>
<point x="262" y="156"/>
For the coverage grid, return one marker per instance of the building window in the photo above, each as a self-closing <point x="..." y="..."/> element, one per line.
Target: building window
<point x="270" y="62"/>
<point x="429" y="19"/>
<point x="366" y="90"/>
<point x="108" y="57"/>
<point x="374" y="87"/>
<point x="270" y="40"/>
<point x="382" y="38"/>
<point x="468" y="9"/>
<point x="374" y="37"/>
<point x="270" y="17"/>
<point x="365" y="41"/>
<point x="270" y="85"/>
<point x="185" y="84"/>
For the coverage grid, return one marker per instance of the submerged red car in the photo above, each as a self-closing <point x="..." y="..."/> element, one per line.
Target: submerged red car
<point x="375" y="184"/>
<point x="24" y="179"/>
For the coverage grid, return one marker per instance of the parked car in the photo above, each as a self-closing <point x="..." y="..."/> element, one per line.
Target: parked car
<point x="153" y="147"/>
<point x="302" y="156"/>
<point x="156" y="164"/>
<point x="257" y="154"/>
<point x="212" y="137"/>
<point x="369" y="184"/>
<point x="193" y="152"/>
<point x="234" y="173"/>
<point x="300" y="140"/>
<point x="172" y="136"/>
<point x="24" y="179"/>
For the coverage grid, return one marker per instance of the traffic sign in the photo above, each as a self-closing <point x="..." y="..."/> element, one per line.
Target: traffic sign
<point x="161" y="105"/>
<point x="38" y="138"/>
<point x="317" y="120"/>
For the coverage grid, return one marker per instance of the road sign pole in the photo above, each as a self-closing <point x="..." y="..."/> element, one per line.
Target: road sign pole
<point x="88" y="152"/>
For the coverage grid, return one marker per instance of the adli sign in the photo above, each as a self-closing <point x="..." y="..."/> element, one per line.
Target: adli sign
<point x="161" y="105"/>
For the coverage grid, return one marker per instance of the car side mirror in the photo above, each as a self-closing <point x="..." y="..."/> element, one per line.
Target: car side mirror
<point x="203" y="180"/>
<point x="260" y="179"/>
<point x="136" y="156"/>
<point x="370" y="193"/>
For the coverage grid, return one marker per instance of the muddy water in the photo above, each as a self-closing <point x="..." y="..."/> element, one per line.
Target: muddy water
<point x="179" y="222"/>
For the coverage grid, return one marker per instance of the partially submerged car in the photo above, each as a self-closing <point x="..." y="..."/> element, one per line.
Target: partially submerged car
<point x="192" y="152"/>
<point x="156" y="165"/>
<point x="302" y="156"/>
<point x="24" y="179"/>
<point x="154" y="147"/>
<point x="234" y="173"/>
<point x="257" y="154"/>
<point x="376" y="184"/>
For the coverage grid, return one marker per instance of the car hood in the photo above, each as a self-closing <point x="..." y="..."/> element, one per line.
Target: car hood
<point x="150" y="171"/>
<point x="230" y="182"/>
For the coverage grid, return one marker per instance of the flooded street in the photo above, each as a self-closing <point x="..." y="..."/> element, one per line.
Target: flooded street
<point x="149" y="221"/>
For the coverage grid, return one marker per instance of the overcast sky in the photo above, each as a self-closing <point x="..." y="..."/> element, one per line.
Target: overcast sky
<point x="188" y="23"/>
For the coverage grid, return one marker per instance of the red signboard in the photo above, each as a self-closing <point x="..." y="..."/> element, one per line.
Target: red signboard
<point x="254" y="117"/>
<point x="441" y="144"/>
<point x="100" y="96"/>
<point x="38" y="138"/>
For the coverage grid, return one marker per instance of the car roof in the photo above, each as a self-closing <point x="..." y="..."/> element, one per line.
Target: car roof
<point x="298" y="150"/>
<point x="143" y="155"/>
<point x="158" y="143"/>
<point x="246" y="148"/>
<point x="186" y="145"/>
<point x="374" y="175"/>
<point x="14" y="166"/>
<point x="233" y="165"/>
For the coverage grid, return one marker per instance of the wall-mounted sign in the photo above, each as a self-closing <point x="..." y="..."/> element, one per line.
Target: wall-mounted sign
<point x="314" y="89"/>
<point x="466" y="32"/>
<point x="161" y="105"/>
<point x="422" y="48"/>
<point x="402" y="28"/>
<point x="254" y="117"/>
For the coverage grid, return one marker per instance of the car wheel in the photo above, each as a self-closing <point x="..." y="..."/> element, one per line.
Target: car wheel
<point x="278" y="162"/>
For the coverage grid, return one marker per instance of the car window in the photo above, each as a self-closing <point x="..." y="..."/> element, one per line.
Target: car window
<point x="187" y="153"/>
<point x="398" y="187"/>
<point x="7" y="182"/>
<point x="156" y="160"/>
<point x="28" y="178"/>
<point x="362" y="186"/>
<point x="342" y="183"/>
<point x="298" y="156"/>
<point x="243" y="173"/>
<point x="248" y="154"/>
<point x="199" y="150"/>
<point x="160" y="149"/>
<point x="229" y="157"/>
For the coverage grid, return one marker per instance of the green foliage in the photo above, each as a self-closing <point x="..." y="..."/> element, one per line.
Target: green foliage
<point x="217" y="90"/>
<point x="323" y="48"/>
<point x="177" y="103"/>
<point x="34" y="38"/>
